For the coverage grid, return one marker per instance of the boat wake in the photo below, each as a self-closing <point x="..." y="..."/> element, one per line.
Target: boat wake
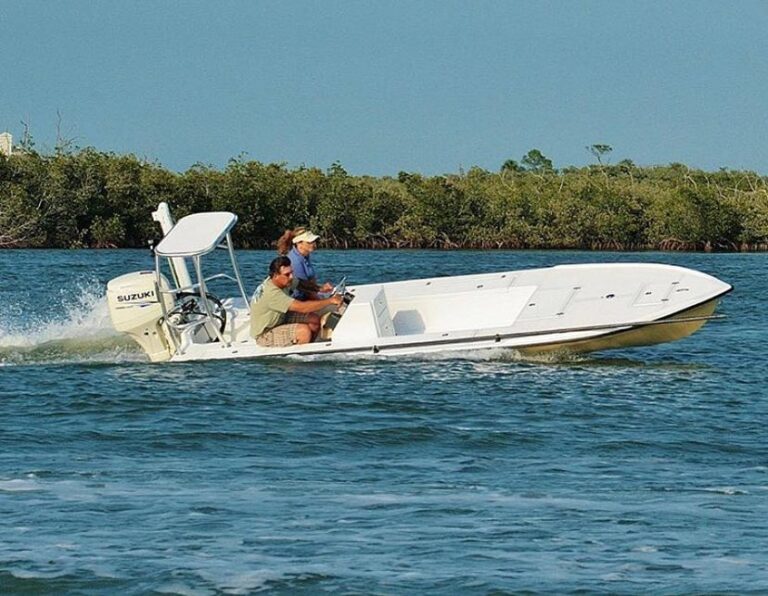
<point x="80" y="332"/>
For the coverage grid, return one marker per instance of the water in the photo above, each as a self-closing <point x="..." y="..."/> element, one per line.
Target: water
<point x="642" y="471"/>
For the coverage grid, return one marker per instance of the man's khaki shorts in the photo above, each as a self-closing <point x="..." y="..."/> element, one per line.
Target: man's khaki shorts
<point x="279" y="337"/>
<point x="285" y="334"/>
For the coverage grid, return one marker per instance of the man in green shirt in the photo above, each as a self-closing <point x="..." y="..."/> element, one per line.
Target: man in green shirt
<point x="277" y="320"/>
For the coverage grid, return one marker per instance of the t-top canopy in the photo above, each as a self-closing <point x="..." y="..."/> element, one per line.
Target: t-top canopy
<point x="196" y="234"/>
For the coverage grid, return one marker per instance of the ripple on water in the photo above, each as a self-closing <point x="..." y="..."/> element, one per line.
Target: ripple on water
<point x="477" y="472"/>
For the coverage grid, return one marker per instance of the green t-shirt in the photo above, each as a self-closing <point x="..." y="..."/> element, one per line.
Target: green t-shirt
<point x="269" y="309"/>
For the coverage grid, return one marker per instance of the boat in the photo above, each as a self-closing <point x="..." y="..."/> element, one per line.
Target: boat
<point x="572" y="308"/>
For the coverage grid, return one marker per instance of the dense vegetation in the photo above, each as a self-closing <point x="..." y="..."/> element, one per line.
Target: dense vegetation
<point x="87" y="198"/>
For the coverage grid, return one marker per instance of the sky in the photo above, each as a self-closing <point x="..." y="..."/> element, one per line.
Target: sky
<point x="383" y="86"/>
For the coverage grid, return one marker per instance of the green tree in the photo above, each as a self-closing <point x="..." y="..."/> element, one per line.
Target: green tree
<point x="511" y="166"/>
<point x="536" y="161"/>
<point x="599" y="151"/>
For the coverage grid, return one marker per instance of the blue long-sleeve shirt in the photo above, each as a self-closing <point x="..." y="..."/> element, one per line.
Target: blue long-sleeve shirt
<point x="303" y="270"/>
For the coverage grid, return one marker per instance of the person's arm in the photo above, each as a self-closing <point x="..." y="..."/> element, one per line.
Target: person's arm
<point x="308" y="306"/>
<point x="312" y="286"/>
<point x="308" y="285"/>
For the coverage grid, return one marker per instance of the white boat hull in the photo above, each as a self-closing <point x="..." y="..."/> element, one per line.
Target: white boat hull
<point x="575" y="308"/>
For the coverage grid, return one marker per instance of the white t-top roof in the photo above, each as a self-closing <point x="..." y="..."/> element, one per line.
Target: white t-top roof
<point x="196" y="234"/>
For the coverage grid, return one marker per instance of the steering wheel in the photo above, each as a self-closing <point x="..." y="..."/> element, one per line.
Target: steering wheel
<point x="189" y="309"/>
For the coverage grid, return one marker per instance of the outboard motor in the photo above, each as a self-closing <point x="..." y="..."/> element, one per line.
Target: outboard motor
<point x="135" y="309"/>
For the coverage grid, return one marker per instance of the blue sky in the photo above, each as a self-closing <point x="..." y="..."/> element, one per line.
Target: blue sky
<point x="384" y="86"/>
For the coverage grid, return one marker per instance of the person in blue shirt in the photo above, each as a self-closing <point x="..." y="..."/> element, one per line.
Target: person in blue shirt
<point x="298" y="245"/>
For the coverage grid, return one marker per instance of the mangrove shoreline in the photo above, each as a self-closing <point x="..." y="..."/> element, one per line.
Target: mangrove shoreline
<point x="92" y="199"/>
